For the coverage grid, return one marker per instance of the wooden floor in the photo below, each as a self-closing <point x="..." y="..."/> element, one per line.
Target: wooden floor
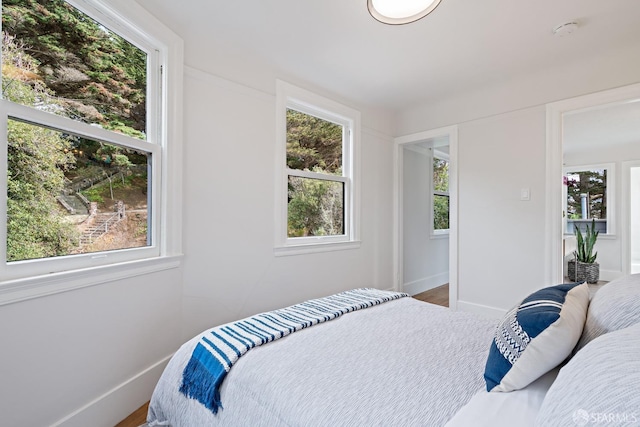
<point x="136" y="419"/>
<point x="439" y="295"/>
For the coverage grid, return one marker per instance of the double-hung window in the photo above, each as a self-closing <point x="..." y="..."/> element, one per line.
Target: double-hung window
<point x="83" y="132"/>
<point x="318" y="193"/>
<point x="440" y="185"/>
<point x="589" y="198"/>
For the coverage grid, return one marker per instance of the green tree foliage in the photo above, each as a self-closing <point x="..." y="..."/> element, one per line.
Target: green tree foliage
<point x="440" y="202"/>
<point x="35" y="225"/>
<point x="313" y="143"/>
<point x="315" y="206"/>
<point x="36" y="160"/>
<point x="56" y="59"/>
<point x="440" y="213"/>
<point x="594" y="184"/>
<point x="96" y="75"/>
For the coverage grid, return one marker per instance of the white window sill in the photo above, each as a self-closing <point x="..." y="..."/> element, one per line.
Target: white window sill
<point x="440" y="235"/>
<point x="315" y="248"/>
<point x="600" y="236"/>
<point x="607" y="236"/>
<point x="17" y="290"/>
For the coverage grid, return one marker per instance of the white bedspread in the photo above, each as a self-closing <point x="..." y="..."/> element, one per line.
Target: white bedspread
<point x="404" y="363"/>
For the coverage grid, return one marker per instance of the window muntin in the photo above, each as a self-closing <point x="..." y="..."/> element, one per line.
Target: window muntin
<point x="128" y="135"/>
<point x="588" y="198"/>
<point x="440" y="168"/>
<point x="317" y="159"/>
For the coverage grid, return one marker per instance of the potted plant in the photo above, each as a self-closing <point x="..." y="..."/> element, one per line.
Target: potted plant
<point x="584" y="267"/>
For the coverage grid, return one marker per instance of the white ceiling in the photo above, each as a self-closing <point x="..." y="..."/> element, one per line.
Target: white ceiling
<point x="336" y="45"/>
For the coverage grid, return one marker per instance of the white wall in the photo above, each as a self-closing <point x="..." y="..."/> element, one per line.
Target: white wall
<point x="501" y="243"/>
<point x="425" y="259"/>
<point x="92" y="355"/>
<point x="107" y="342"/>
<point x="501" y="149"/>
<point x="609" y="248"/>
<point x="230" y="270"/>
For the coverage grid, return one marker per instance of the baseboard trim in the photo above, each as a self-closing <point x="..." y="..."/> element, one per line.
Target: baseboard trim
<point x="426" y="283"/>
<point x="116" y="404"/>
<point x="483" y="310"/>
<point x="609" y="275"/>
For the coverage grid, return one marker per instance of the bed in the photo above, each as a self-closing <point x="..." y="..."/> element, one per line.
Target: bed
<point x="410" y="363"/>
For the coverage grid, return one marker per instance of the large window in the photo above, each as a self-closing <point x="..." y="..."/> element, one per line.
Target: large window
<point x="318" y="193"/>
<point x="440" y="193"/>
<point x="80" y="119"/>
<point x="588" y="198"/>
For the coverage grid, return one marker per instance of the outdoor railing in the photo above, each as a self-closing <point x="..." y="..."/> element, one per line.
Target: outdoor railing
<point x="104" y="227"/>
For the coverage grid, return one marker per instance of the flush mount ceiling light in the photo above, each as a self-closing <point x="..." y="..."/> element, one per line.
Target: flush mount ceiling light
<point x="397" y="12"/>
<point x="565" y="29"/>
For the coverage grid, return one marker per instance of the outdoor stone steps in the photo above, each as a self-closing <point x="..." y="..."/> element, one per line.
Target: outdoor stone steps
<point x="96" y="230"/>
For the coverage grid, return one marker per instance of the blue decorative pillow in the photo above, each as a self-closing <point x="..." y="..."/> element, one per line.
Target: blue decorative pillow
<point x="536" y="336"/>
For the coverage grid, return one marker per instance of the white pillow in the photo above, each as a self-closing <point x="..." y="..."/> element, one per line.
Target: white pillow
<point x="536" y="336"/>
<point x="487" y="409"/>
<point x="616" y="305"/>
<point x="599" y="385"/>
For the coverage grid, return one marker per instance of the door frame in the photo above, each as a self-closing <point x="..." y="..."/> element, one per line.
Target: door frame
<point x="626" y="213"/>
<point x="553" y="223"/>
<point x="451" y="132"/>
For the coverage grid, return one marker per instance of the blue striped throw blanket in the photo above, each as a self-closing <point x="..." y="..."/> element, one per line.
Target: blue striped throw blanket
<point x="220" y="347"/>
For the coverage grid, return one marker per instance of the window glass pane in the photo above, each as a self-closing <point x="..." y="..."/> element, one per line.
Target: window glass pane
<point x="313" y="144"/>
<point x="440" y="175"/>
<point x="69" y="195"/>
<point x="440" y="212"/>
<point x="315" y="207"/>
<point x="586" y="199"/>
<point x="57" y="59"/>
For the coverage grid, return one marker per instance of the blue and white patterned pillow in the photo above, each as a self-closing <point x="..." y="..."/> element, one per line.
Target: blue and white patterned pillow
<point x="536" y="336"/>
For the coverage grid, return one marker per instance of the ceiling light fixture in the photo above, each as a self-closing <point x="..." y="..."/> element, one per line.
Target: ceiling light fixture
<point x="565" y="29"/>
<point x="397" y="12"/>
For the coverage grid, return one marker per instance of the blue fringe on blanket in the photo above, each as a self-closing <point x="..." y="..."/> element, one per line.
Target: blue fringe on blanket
<point x="220" y="347"/>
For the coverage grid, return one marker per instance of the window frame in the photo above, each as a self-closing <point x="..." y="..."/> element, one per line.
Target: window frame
<point x="33" y="278"/>
<point x="610" y="195"/>
<point x="292" y="97"/>
<point x="437" y="233"/>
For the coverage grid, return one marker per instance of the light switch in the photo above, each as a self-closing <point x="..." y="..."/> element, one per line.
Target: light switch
<point x="525" y="194"/>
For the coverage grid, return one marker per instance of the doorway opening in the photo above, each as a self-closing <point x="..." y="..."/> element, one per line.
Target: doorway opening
<point x="594" y="137"/>
<point x="426" y="212"/>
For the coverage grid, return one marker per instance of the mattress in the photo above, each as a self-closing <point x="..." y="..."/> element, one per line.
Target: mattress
<point x="404" y="362"/>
